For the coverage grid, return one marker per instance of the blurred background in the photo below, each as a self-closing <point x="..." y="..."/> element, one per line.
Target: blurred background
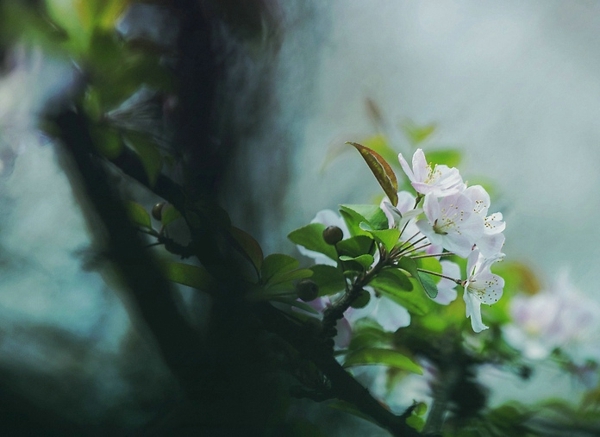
<point x="515" y="85"/>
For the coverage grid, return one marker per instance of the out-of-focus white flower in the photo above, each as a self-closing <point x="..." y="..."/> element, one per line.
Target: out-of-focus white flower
<point x="31" y="81"/>
<point x="481" y="286"/>
<point x="440" y="180"/>
<point x="560" y="317"/>
<point x="384" y="311"/>
<point x="326" y="217"/>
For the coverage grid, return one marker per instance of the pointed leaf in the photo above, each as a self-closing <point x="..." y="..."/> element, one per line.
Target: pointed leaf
<point x="190" y="275"/>
<point x="415" y="303"/>
<point x="449" y="157"/>
<point x="329" y="279"/>
<point x="381" y="170"/>
<point x="248" y="246"/>
<point x="311" y="237"/>
<point x="417" y="134"/>
<point x="379" y="144"/>
<point x="357" y="246"/>
<point x="295" y="303"/>
<point x="387" y="237"/>
<point x="371" y="215"/>
<point x="392" y="281"/>
<point x="387" y="357"/>
<point x="285" y="277"/>
<point x="277" y="263"/>
<point x="365" y="260"/>
<point x="169" y="214"/>
<point x="425" y="282"/>
<point x="428" y="284"/>
<point x="138" y="215"/>
<point x="149" y="155"/>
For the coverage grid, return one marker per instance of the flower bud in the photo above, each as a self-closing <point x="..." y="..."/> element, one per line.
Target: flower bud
<point x="362" y="300"/>
<point x="307" y="290"/>
<point x="157" y="210"/>
<point x="333" y="235"/>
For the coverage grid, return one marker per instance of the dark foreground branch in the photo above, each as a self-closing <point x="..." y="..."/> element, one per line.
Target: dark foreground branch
<point x="343" y="385"/>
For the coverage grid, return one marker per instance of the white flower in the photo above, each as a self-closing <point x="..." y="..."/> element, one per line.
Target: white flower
<point x="447" y="288"/>
<point x="440" y="180"/>
<point x="384" y="311"/>
<point x="451" y="223"/>
<point x="326" y="217"/>
<point x="560" y="317"/>
<point x="403" y="217"/>
<point x="491" y="241"/>
<point x="481" y="286"/>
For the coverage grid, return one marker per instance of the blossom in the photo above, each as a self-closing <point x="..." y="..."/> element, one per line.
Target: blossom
<point x="440" y="180"/>
<point x="403" y="217"/>
<point x="451" y="223"/>
<point x="559" y="317"/>
<point x="326" y="217"/>
<point x="481" y="286"/>
<point x="491" y="241"/>
<point x="446" y="287"/>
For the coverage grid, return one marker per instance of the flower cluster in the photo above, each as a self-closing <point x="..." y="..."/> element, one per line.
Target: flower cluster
<point x="453" y="220"/>
<point x="444" y="217"/>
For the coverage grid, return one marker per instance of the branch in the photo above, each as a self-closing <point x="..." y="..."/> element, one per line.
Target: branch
<point x="179" y="344"/>
<point x="343" y="385"/>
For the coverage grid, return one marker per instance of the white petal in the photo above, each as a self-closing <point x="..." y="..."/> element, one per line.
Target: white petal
<point x="390" y="315"/>
<point x="480" y="198"/>
<point x="420" y="167"/>
<point x="406" y="167"/>
<point x="474" y="312"/>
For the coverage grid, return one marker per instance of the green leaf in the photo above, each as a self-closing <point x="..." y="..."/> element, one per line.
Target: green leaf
<point x="294" y="303"/>
<point x="379" y="143"/>
<point x="276" y="263"/>
<point x="148" y="152"/>
<point x="392" y="281"/>
<point x="138" y="215"/>
<point x="387" y="237"/>
<point x="356" y="246"/>
<point x="248" y="246"/>
<point x="365" y="260"/>
<point x="169" y="214"/>
<point x="415" y="303"/>
<point x="190" y="275"/>
<point x="311" y="237"/>
<point x="428" y="284"/>
<point x="381" y="170"/>
<point x="288" y="277"/>
<point x="366" y="333"/>
<point x="329" y="279"/>
<point x="387" y="357"/>
<point x="423" y="280"/>
<point x="417" y="134"/>
<point x="107" y="141"/>
<point x="372" y="215"/>
<point x="449" y="157"/>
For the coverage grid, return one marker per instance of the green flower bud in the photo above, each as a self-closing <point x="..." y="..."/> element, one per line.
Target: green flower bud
<point x="157" y="210"/>
<point x="307" y="290"/>
<point x="333" y="235"/>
